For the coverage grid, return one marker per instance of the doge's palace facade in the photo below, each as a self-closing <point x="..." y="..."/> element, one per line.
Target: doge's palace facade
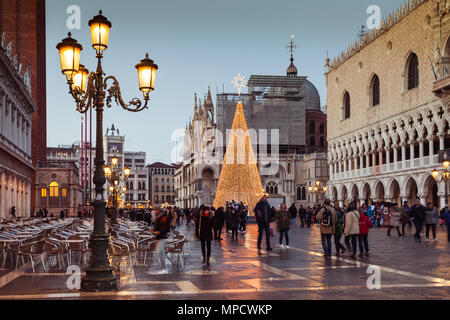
<point x="388" y="109"/>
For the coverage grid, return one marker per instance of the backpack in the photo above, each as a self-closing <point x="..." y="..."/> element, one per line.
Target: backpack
<point x="326" y="219"/>
<point x="446" y="217"/>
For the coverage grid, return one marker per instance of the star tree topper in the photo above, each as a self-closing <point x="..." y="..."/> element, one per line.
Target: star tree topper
<point x="239" y="82"/>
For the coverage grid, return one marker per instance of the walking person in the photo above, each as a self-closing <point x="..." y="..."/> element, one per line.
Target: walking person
<point x="351" y="230"/>
<point x="445" y="215"/>
<point x="363" y="237"/>
<point x="338" y="231"/>
<point x="161" y="228"/>
<point x="417" y="213"/>
<point x="219" y="218"/>
<point x="404" y="219"/>
<point x="394" y="220"/>
<point x="293" y="214"/>
<point x="263" y="216"/>
<point x="309" y="216"/>
<point x="327" y="219"/>
<point x="431" y="220"/>
<point x="283" y="225"/>
<point x="302" y="215"/>
<point x="205" y="232"/>
<point x="234" y="224"/>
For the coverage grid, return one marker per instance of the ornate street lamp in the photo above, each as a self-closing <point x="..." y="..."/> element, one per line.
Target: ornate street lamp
<point x="317" y="189"/>
<point x="90" y="90"/>
<point x="443" y="175"/>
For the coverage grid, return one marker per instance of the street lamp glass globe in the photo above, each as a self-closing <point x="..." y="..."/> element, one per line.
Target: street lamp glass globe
<point x="446" y="164"/>
<point x="80" y="79"/>
<point x="435" y="174"/>
<point x="146" y="75"/>
<point x="114" y="161"/>
<point x="69" y="55"/>
<point x="107" y="170"/>
<point x="99" y="32"/>
<point x="126" y="172"/>
<point x="111" y="188"/>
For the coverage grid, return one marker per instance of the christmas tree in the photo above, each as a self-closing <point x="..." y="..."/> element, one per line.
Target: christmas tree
<point x="239" y="179"/>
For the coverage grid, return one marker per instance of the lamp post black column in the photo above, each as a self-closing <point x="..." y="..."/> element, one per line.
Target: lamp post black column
<point x="99" y="273"/>
<point x="89" y="90"/>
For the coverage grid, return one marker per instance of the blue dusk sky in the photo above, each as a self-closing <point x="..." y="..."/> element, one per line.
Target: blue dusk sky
<point x="195" y="43"/>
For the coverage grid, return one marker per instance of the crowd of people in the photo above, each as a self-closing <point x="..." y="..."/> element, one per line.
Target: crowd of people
<point x="351" y="224"/>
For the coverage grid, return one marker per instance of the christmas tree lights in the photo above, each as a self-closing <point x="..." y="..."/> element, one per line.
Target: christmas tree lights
<point x="239" y="179"/>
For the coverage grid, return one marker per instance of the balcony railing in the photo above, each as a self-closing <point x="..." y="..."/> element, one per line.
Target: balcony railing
<point x="425" y="162"/>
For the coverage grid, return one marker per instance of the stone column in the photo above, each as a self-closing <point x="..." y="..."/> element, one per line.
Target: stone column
<point x="388" y="157"/>
<point x="367" y="159"/>
<point x="380" y="154"/>
<point x="403" y="155"/>
<point x="395" y="149"/>
<point x="441" y="141"/>
<point x="431" y="147"/>
<point x="421" y="152"/>
<point x="411" y="151"/>
<point x="360" y="161"/>
<point x="340" y="202"/>
<point x="345" y="164"/>
<point x="423" y="198"/>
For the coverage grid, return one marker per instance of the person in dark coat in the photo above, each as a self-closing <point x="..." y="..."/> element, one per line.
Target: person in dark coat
<point x="13" y="211"/>
<point x="302" y="215"/>
<point x="196" y="217"/>
<point x="219" y="219"/>
<point x="234" y="224"/>
<point x="263" y="215"/>
<point x="205" y="232"/>
<point x="418" y="215"/>
<point x="293" y="215"/>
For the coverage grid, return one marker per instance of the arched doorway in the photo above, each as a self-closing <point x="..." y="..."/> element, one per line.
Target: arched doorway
<point x="334" y="195"/>
<point x="395" y="192"/>
<point x="355" y="193"/>
<point x="411" y="190"/>
<point x="344" y="195"/>
<point x="431" y="190"/>
<point x="379" y="191"/>
<point x="366" y="194"/>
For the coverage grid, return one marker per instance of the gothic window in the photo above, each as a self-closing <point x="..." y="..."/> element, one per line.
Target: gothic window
<point x="346" y="106"/>
<point x="139" y="186"/>
<point x="303" y="193"/>
<point x="312" y="141"/>
<point x="143" y="185"/>
<point x="413" y="71"/>
<point x="322" y="141"/>
<point x="375" y="91"/>
<point x="267" y="189"/>
<point x="131" y="185"/>
<point x="43" y="193"/>
<point x="276" y="189"/>
<point x="289" y="168"/>
<point x="299" y="193"/>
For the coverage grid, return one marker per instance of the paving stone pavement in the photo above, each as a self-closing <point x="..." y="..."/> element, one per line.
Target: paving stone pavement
<point x="408" y="270"/>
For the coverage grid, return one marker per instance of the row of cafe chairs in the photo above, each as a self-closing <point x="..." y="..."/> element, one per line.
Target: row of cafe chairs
<point x="55" y="240"/>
